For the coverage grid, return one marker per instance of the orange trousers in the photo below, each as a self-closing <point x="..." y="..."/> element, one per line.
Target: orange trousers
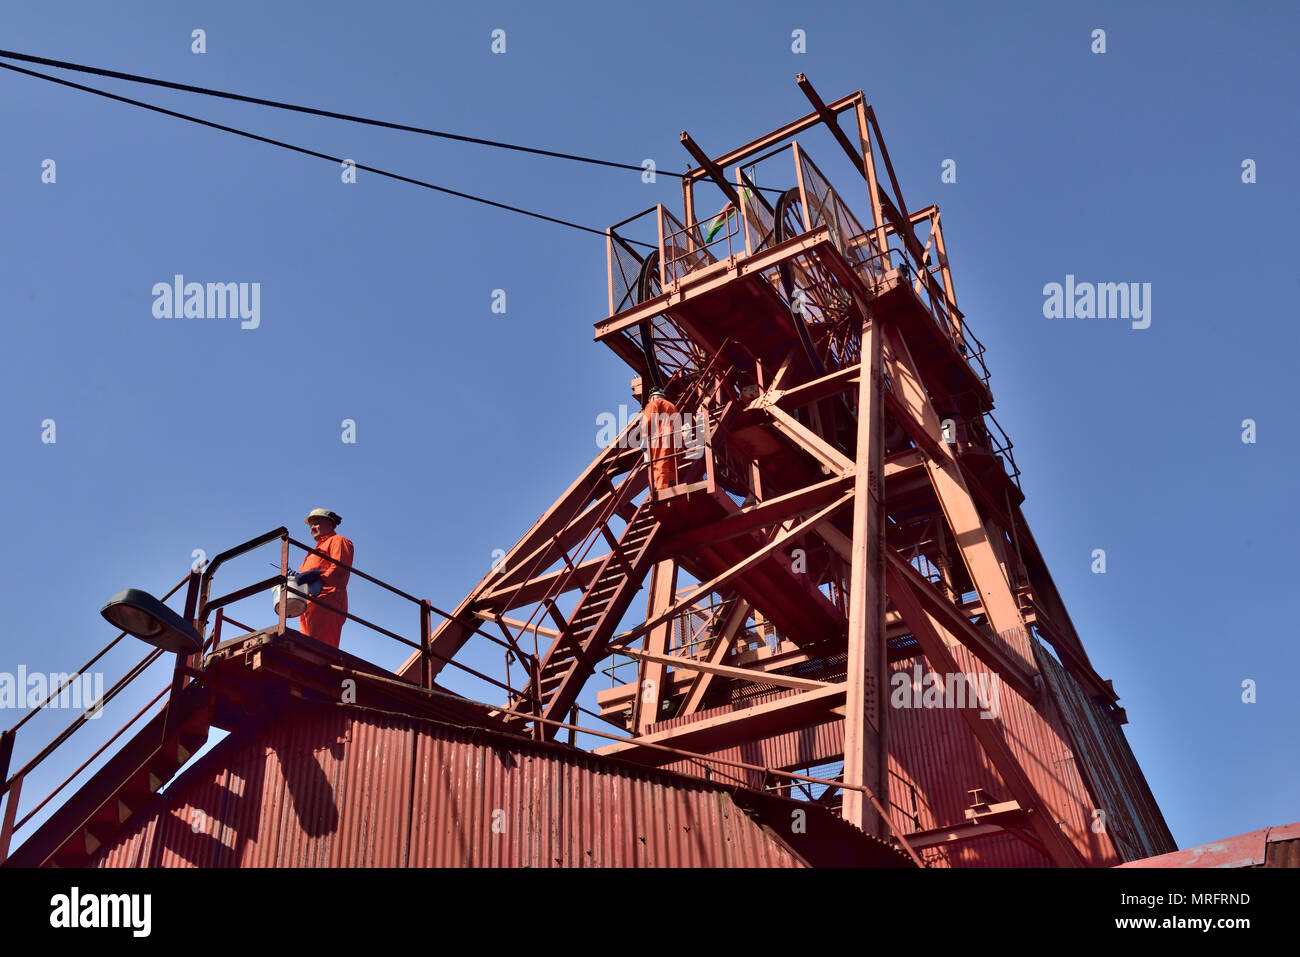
<point x="321" y="623"/>
<point x="663" y="425"/>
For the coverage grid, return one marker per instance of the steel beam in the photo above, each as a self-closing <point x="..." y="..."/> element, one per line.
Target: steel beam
<point x="791" y="505"/>
<point x="865" y="759"/>
<point x="977" y="547"/>
<point x="726" y="671"/>
<point x="724" y="731"/>
<point x="646" y="706"/>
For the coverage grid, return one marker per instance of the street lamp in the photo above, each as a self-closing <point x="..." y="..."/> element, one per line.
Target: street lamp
<point x="138" y="613"/>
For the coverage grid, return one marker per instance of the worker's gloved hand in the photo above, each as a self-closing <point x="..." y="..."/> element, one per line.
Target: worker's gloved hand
<point x="308" y="577"/>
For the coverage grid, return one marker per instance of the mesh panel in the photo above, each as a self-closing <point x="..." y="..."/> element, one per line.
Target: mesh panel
<point x="625" y="266"/>
<point x="758" y="221"/>
<point x="825" y="207"/>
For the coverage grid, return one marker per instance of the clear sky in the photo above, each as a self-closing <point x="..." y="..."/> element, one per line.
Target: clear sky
<point x="376" y="305"/>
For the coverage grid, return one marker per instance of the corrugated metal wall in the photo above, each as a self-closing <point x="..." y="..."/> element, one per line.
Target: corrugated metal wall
<point x="337" y="788"/>
<point x="1109" y="765"/>
<point x="935" y="761"/>
<point x="935" y="758"/>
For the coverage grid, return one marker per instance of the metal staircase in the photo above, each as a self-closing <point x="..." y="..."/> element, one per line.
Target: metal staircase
<point x="583" y="636"/>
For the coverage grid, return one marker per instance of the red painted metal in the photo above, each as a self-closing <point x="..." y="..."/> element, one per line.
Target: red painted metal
<point x="935" y="758"/>
<point x="846" y="501"/>
<point x="1267" y="847"/>
<point x="1130" y="818"/>
<point x="348" y="787"/>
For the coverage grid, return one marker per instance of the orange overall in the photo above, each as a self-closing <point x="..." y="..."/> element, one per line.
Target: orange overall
<point x="319" y="622"/>
<point x="662" y="424"/>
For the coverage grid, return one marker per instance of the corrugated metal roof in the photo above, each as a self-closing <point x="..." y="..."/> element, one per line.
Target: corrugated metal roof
<point x="1267" y="847"/>
<point x="344" y="786"/>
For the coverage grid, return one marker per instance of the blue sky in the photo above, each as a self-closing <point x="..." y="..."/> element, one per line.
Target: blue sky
<point x="376" y="302"/>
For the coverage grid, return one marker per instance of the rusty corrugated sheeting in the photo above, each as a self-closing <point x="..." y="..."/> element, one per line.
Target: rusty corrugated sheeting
<point x="1283" y="848"/>
<point x="1267" y="847"/>
<point x="1114" y="777"/>
<point x="335" y="787"/>
<point x="948" y="752"/>
<point x="532" y="810"/>
<point x="935" y="760"/>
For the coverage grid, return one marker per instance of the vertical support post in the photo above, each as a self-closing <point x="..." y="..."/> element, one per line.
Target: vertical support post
<point x="201" y="612"/>
<point x="426" y="629"/>
<point x="663" y="253"/>
<point x="216" y="628"/>
<point x="11" y="808"/>
<point x="6" y="753"/>
<point x="284" y="573"/>
<point x="609" y="267"/>
<point x="179" y="678"/>
<point x="864" y="737"/>
<point x="535" y="683"/>
<point x="743" y="210"/>
<point x="191" y="605"/>
<point x="649" y="691"/>
<point x="805" y="205"/>
<point x="7" y="794"/>
<point x="688" y="210"/>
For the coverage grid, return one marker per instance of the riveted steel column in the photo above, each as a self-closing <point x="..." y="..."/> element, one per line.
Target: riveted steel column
<point x="864" y="739"/>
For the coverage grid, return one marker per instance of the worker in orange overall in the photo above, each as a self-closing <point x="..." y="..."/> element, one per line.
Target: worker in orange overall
<point x="318" y="621"/>
<point x="662" y="424"/>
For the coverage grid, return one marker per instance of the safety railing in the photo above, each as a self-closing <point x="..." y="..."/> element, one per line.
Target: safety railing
<point x="911" y="807"/>
<point x="950" y="322"/>
<point x="684" y="249"/>
<point x="1002" y="446"/>
<point x="904" y="800"/>
<point x="199" y="606"/>
<point x="11" y="786"/>
<point x="985" y="434"/>
<point x="426" y="609"/>
<point x="693" y="635"/>
<point x="622" y="496"/>
<point x="681" y="248"/>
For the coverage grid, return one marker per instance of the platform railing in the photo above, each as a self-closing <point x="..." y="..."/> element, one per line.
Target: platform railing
<point x="199" y="606"/>
<point x="11" y="786"/>
<point x="426" y="609"/>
